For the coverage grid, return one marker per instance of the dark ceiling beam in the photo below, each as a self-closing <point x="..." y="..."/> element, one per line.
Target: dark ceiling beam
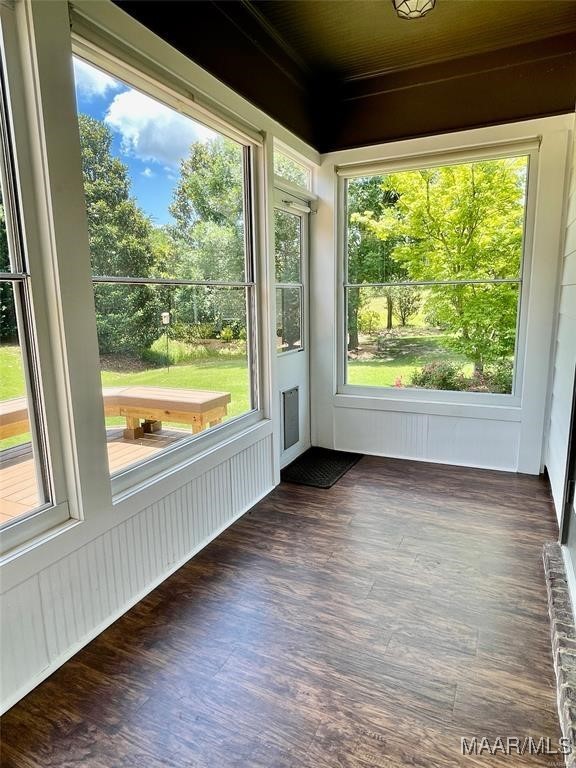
<point x="518" y="83"/>
<point x="226" y="39"/>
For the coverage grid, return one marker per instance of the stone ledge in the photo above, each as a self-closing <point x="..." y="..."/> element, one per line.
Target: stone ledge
<point x="563" y="638"/>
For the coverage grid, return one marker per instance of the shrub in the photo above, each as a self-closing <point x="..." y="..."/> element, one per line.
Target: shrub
<point x="178" y="352"/>
<point x="369" y="321"/>
<point x="227" y="334"/>
<point x="496" y="378"/>
<point x="439" y="375"/>
<point x="193" y="332"/>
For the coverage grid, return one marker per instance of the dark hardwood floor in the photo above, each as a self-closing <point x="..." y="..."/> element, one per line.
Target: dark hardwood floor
<point x="373" y="624"/>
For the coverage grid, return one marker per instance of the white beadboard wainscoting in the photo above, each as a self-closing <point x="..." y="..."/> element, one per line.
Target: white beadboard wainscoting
<point x="564" y="356"/>
<point x="472" y="442"/>
<point x="50" y="616"/>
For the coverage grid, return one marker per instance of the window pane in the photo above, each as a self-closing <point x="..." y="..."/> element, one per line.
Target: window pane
<point x="287" y="232"/>
<point x="455" y="222"/>
<point x="436" y="337"/>
<point x="288" y="319"/>
<point x="291" y="171"/>
<point x="164" y="193"/>
<point x="174" y="363"/>
<point x="21" y="488"/>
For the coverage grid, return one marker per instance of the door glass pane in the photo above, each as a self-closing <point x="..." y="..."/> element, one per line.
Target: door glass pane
<point x="21" y="488"/>
<point x="288" y="246"/>
<point x="288" y="318"/>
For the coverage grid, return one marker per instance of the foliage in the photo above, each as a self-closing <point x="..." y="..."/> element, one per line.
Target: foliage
<point x="208" y="210"/>
<point x="407" y="301"/>
<point x="290" y="170"/>
<point x="369" y="321"/>
<point x="208" y="233"/>
<point x="447" y="375"/>
<point x="440" y="374"/>
<point x="121" y="244"/>
<point x="369" y="255"/>
<point x="460" y="222"/>
<point x="497" y="378"/>
<point x="227" y="333"/>
<point x="193" y="332"/>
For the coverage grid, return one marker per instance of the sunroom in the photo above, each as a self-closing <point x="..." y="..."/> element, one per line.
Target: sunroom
<point x="287" y="382"/>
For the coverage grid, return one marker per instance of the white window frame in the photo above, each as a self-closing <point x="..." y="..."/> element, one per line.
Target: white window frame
<point x="524" y="148"/>
<point x="38" y="345"/>
<point x="297" y="206"/>
<point x="133" y="478"/>
<point x="298" y="191"/>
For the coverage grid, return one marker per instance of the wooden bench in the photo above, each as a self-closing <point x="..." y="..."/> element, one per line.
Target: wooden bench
<point x="149" y="405"/>
<point x="153" y="405"/>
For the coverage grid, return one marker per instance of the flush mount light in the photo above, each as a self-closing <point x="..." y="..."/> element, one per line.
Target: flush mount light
<point x="413" y="9"/>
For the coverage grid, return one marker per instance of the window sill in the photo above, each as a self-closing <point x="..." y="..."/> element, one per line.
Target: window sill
<point x="472" y="406"/>
<point x="30" y="533"/>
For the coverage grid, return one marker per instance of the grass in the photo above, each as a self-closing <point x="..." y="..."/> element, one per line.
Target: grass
<point x="214" y="374"/>
<point x="399" y="357"/>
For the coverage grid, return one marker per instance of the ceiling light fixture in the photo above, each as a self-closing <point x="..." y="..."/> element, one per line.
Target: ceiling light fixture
<point x="413" y="9"/>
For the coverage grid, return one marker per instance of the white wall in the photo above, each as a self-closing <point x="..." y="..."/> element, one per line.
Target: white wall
<point x="491" y="431"/>
<point x="60" y="590"/>
<point x="564" y="353"/>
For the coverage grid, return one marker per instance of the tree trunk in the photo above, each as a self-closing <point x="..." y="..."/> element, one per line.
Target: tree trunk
<point x="353" y="309"/>
<point x="389" y="308"/>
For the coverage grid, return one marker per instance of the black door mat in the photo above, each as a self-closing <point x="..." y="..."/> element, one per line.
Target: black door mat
<point x="319" y="467"/>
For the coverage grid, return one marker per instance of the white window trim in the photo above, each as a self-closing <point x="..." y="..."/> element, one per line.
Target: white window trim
<point x="297" y="205"/>
<point x="56" y="512"/>
<point x="304" y="192"/>
<point x="524" y="147"/>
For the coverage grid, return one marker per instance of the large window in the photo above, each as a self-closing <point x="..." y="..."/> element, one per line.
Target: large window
<point x="24" y="477"/>
<point x="434" y="276"/>
<point x="169" y="215"/>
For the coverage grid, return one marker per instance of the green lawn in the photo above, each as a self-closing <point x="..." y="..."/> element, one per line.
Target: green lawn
<point x="215" y="374"/>
<point x="400" y="357"/>
<point x="11" y="375"/>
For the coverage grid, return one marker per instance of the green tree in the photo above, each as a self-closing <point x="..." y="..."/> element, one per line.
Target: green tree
<point x="458" y="223"/>
<point x="369" y="254"/>
<point x="208" y="233"/>
<point x="121" y="245"/>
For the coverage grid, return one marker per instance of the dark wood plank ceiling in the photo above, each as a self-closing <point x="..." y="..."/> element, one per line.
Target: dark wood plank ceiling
<point x="343" y="73"/>
<point x="358" y="39"/>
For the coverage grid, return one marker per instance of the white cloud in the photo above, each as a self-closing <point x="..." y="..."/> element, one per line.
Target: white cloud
<point x="148" y="172"/>
<point x="151" y="131"/>
<point x="92" y="82"/>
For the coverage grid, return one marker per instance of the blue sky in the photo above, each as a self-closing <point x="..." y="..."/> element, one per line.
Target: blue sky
<point x="149" y="137"/>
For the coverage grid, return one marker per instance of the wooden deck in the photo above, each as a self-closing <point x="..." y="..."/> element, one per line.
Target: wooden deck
<point x="18" y="489"/>
<point x="373" y="624"/>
